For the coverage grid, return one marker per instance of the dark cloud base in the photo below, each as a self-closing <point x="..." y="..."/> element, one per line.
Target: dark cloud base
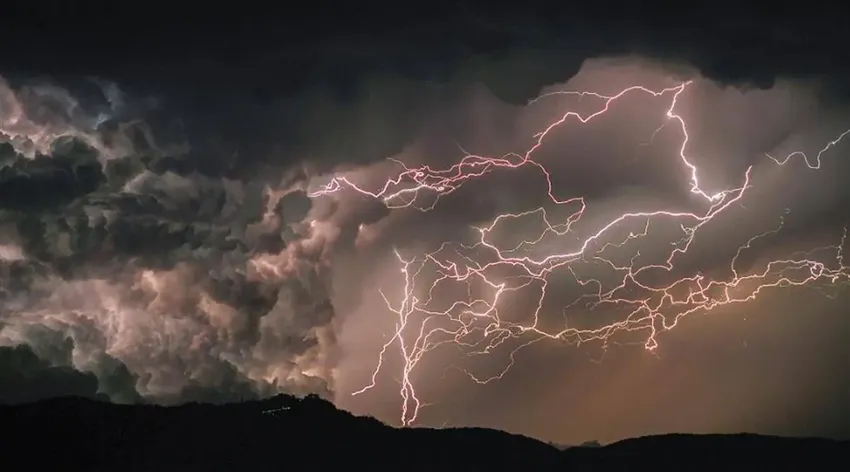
<point x="320" y="84"/>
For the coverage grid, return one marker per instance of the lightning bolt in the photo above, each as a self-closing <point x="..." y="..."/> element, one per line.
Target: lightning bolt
<point x="475" y="324"/>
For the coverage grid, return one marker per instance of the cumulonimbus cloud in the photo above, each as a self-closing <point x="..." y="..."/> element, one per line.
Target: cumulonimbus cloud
<point x="204" y="267"/>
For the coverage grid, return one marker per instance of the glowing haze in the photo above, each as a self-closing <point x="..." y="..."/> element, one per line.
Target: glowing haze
<point x="602" y="218"/>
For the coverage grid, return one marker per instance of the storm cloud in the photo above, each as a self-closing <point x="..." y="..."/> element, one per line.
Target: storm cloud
<point x="157" y="230"/>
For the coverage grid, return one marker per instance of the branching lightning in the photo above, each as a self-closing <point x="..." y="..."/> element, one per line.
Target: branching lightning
<point x="475" y="323"/>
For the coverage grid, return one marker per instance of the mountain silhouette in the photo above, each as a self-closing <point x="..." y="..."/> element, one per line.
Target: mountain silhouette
<point x="287" y="433"/>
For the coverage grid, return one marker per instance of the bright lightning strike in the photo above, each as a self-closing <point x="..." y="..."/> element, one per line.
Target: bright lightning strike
<point x="475" y="323"/>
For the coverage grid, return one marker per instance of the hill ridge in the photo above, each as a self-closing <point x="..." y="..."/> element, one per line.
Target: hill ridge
<point x="309" y="433"/>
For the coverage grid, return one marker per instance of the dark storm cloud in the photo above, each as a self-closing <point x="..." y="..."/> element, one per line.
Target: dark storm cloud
<point x="158" y="220"/>
<point x="104" y="226"/>
<point x="357" y="90"/>
<point x="26" y="376"/>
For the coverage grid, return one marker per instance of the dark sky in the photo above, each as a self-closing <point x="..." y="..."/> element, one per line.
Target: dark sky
<point x="163" y="237"/>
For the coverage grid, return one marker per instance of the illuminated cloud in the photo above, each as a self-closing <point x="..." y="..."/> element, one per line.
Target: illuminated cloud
<point x="230" y="239"/>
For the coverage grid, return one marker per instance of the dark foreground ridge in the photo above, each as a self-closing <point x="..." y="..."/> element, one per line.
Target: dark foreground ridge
<point x="285" y="433"/>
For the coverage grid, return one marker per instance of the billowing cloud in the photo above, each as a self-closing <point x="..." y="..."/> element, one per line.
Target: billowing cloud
<point x="192" y="282"/>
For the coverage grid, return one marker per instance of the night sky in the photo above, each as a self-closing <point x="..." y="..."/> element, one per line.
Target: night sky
<point x="231" y="203"/>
